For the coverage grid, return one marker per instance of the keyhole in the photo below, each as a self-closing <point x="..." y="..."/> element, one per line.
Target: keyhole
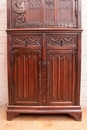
<point x="61" y="42"/>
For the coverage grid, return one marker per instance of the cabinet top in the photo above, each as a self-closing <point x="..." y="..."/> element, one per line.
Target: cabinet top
<point x="44" y="13"/>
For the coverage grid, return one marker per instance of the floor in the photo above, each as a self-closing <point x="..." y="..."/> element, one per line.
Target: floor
<point x="42" y="122"/>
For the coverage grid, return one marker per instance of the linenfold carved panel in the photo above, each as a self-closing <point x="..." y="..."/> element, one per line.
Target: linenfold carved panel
<point x="26" y="40"/>
<point x="44" y="13"/>
<point x="25" y="64"/>
<point x="61" y="41"/>
<point x="65" y="12"/>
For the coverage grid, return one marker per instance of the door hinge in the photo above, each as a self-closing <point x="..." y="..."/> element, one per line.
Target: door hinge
<point x="76" y="13"/>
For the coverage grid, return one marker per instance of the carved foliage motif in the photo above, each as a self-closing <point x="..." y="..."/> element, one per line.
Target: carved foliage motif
<point x="19" y="9"/>
<point x="34" y="4"/>
<point x="19" y="6"/>
<point x="61" y="41"/>
<point x="27" y="41"/>
<point x="20" y="18"/>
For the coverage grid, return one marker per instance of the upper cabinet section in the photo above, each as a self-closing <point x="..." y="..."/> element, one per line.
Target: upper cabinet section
<point x="44" y="13"/>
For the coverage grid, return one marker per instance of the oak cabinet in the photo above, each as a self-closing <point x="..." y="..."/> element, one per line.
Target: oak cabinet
<point x="44" y="57"/>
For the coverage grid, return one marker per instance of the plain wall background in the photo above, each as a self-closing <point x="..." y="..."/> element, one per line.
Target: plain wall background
<point x="3" y="54"/>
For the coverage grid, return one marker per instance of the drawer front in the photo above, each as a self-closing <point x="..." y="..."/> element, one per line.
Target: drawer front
<point x="27" y="40"/>
<point x="60" y="41"/>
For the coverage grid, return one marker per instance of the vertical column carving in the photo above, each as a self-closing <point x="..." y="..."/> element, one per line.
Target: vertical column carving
<point x="44" y="63"/>
<point x="40" y="77"/>
<point x="48" y="77"/>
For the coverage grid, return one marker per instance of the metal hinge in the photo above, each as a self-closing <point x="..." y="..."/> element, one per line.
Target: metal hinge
<point x="76" y="13"/>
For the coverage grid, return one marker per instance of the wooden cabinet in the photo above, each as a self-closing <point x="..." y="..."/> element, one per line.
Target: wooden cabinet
<point x="44" y="57"/>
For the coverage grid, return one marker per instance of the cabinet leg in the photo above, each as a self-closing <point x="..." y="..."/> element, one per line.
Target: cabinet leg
<point x="77" y="116"/>
<point x="11" y="115"/>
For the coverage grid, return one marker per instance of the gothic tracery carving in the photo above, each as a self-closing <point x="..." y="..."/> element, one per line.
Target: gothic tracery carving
<point x="65" y="4"/>
<point x="49" y="4"/>
<point x="34" y="4"/>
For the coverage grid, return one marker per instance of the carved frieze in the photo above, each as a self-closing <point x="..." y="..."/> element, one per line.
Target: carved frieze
<point x="61" y="41"/>
<point x="26" y="41"/>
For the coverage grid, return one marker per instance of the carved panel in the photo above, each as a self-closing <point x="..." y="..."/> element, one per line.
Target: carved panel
<point x="24" y="68"/>
<point x="61" y="41"/>
<point x="62" y="74"/>
<point x="49" y="10"/>
<point x="20" y="18"/>
<point x="19" y="9"/>
<point x="47" y="13"/>
<point x="66" y="12"/>
<point x="26" y="41"/>
<point x="34" y="11"/>
<point x="19" y="6"/>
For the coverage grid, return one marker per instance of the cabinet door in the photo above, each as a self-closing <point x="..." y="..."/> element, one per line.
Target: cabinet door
<point x="44" y="13"/>
<point x="26" y="71"/>
<point x="61" y="77"/>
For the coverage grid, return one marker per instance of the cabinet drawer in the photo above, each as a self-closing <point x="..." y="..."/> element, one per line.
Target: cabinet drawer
<point x="61" y="41"/>
<point x="23" y="40"/>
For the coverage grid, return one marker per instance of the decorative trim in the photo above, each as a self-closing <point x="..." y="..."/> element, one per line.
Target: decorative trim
<point x="32" y="25"/>
<point x="48" y="77"/>
<point x="44" y="65"/>
<point x="40" y="77"/>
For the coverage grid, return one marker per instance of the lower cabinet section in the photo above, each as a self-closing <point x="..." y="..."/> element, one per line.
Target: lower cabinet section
<point x="44" y="73"/>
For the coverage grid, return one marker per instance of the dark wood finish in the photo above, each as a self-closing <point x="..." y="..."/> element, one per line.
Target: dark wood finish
<point x="44" y="57"/>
